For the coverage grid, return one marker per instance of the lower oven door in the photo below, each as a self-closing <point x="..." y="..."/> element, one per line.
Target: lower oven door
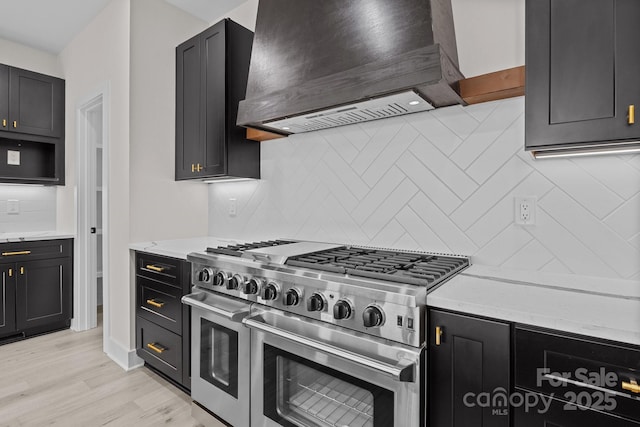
<point x="308" y="373"/>
<point x="220" y="355"/>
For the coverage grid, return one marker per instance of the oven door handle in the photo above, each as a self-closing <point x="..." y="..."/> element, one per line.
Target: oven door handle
<point x="233" y="311"/>
<point x="403" y="371"/>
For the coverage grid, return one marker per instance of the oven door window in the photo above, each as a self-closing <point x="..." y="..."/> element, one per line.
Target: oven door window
<point x="219" y="356"/>
<point x="301" y="393"/>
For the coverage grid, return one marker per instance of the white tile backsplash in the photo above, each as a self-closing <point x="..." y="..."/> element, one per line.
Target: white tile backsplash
<point x="442" y="181"/>
<point x="37" y="208"/>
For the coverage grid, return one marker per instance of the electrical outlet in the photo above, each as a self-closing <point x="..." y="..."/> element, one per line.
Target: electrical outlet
<point x="525" y="210"/>
<point x="13" y="207"/>
<point x="233" y="206"/>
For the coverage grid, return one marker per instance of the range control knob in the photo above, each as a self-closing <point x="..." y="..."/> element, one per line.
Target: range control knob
<point x="291" y="297"/>
<point x="205" y="274"/>
<point x="220" y="278"/>
<point x="342" y="310"/>
<point x="251" y="287"/>
<point x="235" y="282"/>
<point x="372" y="316"/>
<point x="315" y="302"/>
<point x="269" y="292"/>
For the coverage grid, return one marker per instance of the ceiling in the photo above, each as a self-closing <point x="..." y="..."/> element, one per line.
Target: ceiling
<point x="50" y="25"/>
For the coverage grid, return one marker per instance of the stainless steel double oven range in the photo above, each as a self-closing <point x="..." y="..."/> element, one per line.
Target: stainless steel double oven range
<point x="291" y="333"/>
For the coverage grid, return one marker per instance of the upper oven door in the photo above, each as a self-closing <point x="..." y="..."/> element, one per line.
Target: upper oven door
<point x="220" y="355"/>
<point x="307" y="373"/>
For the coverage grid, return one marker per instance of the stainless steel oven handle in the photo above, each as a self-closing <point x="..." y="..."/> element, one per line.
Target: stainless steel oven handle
<point x="235" y="312"/>
<point x="404" y="371"/>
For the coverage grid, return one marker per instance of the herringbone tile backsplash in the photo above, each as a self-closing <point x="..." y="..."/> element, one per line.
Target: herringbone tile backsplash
<point x="443" y="181"/>
<point x="37" y="205"/>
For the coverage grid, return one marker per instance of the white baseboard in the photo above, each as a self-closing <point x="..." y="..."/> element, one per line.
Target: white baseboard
<point x="127" y="359"/>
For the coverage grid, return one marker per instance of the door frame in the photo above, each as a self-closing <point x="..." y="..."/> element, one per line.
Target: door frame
<point x="85" y="293"/>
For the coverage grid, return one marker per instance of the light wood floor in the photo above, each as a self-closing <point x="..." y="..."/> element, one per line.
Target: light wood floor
<point x="64" y="379"/>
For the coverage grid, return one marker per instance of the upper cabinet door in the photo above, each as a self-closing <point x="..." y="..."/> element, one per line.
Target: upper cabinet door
<point x="36" y="103"/>
<point x="582" y="66"/>
<point x="4" y="97"/>
<point x="189" y="147"/>
<point x="214" y="102"/>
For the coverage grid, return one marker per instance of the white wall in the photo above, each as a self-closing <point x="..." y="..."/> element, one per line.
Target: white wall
<point x="21" y="56"/>
<point x="443" y="181"/>
<point x="37" y="208"/>
<point x="160" y="207"/>
<point x="97" y="56"/>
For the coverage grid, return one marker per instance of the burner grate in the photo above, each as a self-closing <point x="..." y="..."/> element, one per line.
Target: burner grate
<point x="236" y="250"/>
<point x="401" y="267"/>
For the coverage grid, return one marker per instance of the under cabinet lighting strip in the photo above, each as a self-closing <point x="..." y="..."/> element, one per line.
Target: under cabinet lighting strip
<point x="588" y="151"/>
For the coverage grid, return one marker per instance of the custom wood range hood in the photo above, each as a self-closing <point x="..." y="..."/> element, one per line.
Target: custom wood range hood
<point x="321" y="64"/>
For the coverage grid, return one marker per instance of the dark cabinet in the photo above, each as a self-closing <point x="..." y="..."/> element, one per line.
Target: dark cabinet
<point x="32" y="124"/>
<point x="211" y="79"/>
<point x="163" y="329"/>
<point x="37" y="287"/>
<point x="593" y="383"/>
<point x="582" y="72"/>
<point x="467" y="357"/>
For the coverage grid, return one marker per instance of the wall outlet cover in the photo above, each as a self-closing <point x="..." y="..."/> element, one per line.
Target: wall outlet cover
<point x="525" y="210"/>
<point x="233" y="206"/>
<point x="13" y="157"/>
<point x="13" y="207"/>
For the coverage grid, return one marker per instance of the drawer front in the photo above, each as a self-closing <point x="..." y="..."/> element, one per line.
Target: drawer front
<point x="160" y="348"/>
<point x="156" y="267"/>
<point x="25" y="251"/>
<point x="159" y="303"/>
<point x="561" y="414"/>
<point x="594" y="374"/>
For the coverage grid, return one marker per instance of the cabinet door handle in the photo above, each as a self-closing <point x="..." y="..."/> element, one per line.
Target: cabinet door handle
<point x="155" y="268"/>
<point x="199" y="168"/>
<point x="4" y="123"/>
<point x="16" y="253"/>
<point x="15" y="124"/>
<point x="631" y="386"/>
<point x="158" y="348"/>
<point x="631" y="118"/>
<point x="438" y="335"/>
<point x="22" y="271"/>
<point x="11" y="272"/>
<point x="153" y="302"/>
<point x="193" y="168"/>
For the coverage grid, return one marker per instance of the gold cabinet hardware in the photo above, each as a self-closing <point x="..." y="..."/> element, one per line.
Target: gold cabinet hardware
<point x="631" y="386"/>
<point x="156" y="347"/>
<point x="22" y="271"/>
<point x="4" y="123"/>
<point x="11" y="272"/>
<point x="155" y="268"/>
<point x="438" y="335"/>
<point x="631" y="118"/>
<point x="198" y="167"/>
<point x="193" y="168"/>
<point x="15" y="124"/>
<point x="153" y="302"/>
<point x="16" y="253"/>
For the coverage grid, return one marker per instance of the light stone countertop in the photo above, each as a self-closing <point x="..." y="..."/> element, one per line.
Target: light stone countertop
<point x="30" y="236"/>
<point x="591" y="306"/>
<point x="179" y="248"/>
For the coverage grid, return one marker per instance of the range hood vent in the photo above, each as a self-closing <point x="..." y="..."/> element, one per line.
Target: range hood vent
<point x="329" y="63"/>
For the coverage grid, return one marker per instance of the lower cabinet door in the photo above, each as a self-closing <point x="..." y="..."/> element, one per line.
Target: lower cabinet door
<point x="7" y="300"/>
<point x="549" y="412"/>
<point x="160" y="348"/>
<point x="43" y="293"/>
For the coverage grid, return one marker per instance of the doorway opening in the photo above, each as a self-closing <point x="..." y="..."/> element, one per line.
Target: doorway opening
<point x="91" y="289"/>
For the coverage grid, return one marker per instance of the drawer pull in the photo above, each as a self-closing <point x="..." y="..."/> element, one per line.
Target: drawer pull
<point x="153" y="302"/>
<point x="631" y="386"/>
<point x="158" y="348"/>
<point x="155" y="268"/>
<point x="16" y="253"/>
<point x="438" y="335"/>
